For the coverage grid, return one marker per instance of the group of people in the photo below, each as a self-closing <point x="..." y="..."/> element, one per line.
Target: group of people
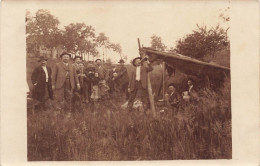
<point x="70" y="82"/>
<point x="174" y="98"/>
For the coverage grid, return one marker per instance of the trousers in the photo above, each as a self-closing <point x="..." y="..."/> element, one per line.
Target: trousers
<point x="64" y="95"/>
<point x="142" y="93"/>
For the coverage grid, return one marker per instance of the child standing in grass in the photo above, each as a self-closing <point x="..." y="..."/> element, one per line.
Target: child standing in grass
<point x="95" y="95"/>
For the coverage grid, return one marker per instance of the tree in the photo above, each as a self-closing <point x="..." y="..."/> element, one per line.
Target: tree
<point x="103" y="41"/>
<point x="157" y="44"/>
<point x="78" y="37"/>
<point x="202" y="42"/>
<point x="42" y="30"/>
<point x="116" y="48"/>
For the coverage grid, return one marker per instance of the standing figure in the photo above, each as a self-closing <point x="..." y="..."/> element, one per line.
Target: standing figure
<point x="138" y="82"/>
<point x="102" y="74"/>
<point x="41" y="80"/>
<point x="88" y="81"/>
<point x="77" y="60"/>
<point x="64" y="81"/>
<point x="122" y="78"/>
<point x="111" y="80"/>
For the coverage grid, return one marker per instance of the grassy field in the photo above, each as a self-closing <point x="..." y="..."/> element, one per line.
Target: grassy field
<point x="199" y="130"/>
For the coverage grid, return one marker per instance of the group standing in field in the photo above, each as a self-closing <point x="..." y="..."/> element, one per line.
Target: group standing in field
<point x="77" y="83"/>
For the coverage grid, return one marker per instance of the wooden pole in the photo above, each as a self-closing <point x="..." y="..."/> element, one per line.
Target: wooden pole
<point x="163" y="81"/>
<point x="149" y="87"/>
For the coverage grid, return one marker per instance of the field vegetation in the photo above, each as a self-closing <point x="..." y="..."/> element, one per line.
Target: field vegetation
<point x="200" y="129"/>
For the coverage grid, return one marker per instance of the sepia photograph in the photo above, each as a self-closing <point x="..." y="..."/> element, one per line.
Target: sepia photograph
<point x="123" y="81"/>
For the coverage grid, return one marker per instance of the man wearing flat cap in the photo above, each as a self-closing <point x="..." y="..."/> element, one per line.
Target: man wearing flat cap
<point x="64" y="80"/>
<point x="138" y="82"/>
<point x="41" y="80"/>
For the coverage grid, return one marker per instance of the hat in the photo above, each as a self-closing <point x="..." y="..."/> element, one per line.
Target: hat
<point x="41" y="58"/>
<point x="172" y="84"/>
<point x="77" y="57"/>
<point x="133" y="62"/>
<point x="121" y="61"/>
<point x="190" y="79"/>
<point x="97" y="60"/>
<point x="65" y="53"/>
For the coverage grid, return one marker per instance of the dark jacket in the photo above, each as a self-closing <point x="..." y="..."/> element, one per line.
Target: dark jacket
<point x="143" y="77"/>
<point x="122" y="76"/>
<point x="174" y="99"/>
<point x="38" y="77"/>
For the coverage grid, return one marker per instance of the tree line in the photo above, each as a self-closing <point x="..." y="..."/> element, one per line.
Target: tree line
<point x="200" y="43"/>
<point x="42" y="30"/>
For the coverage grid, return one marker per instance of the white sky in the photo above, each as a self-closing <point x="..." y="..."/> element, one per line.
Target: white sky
<point x="124" y="22"/>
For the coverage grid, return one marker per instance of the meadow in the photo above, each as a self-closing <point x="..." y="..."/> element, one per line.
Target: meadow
<point x="198" y="130"/>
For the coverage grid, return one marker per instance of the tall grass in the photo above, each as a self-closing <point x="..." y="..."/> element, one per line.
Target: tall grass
<point x="200" y="129"/>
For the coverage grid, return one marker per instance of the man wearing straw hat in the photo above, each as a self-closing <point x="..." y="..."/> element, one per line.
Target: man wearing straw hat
<point x="64" y="80"/>
<point x="41" y="80"/>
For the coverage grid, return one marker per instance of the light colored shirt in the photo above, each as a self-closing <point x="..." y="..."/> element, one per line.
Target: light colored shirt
<point x="46" y="73"/>
<point x="138" y="73"/>
<point x="190" y="88"/>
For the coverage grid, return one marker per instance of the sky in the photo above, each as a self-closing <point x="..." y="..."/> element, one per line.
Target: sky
<point x="124" y="22"/>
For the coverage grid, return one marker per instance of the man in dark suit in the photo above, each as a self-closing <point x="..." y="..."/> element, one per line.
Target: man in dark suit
<point x="138" y="82"/>
<point x="122" y="79"/>
<point x="111" y="80"/>
<point x="64" y="81"/>
<point x="41" y="80"/>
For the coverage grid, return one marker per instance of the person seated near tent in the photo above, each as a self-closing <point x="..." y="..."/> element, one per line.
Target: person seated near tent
<point x="172" y="96"/>
<point x="191" y="91"/>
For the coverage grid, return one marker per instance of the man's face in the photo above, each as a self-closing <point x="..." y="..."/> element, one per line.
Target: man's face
<point x="189" y="82"/>
<point x="65" y="58"/>
<point x="121" y="64"/>
<point x="44" y="62"/>
<point x="81" y="66"/>
<point x="171" y="89"/>
<point x="138" y="62"/>
<point x="77" y="60"/>
<point x="98" y="62"/>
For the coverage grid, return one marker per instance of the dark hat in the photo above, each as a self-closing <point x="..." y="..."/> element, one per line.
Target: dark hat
<point x="97" y="60"/>
<point x="190" y="79"/>
<point x="121" y="61"/>
<point x="65" y="53"/>
<point x="172" y="84"/>
<point x="77" y="57"/>
<point x="41" y="58"/>
<point x="133" y="62"/>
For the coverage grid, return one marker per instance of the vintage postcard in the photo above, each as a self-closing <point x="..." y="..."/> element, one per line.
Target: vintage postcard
<point x="175" y="82"/>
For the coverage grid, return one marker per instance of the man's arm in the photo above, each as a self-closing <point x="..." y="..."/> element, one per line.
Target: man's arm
<point x="148" y="66"/>
<point x="34" y="76"/>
